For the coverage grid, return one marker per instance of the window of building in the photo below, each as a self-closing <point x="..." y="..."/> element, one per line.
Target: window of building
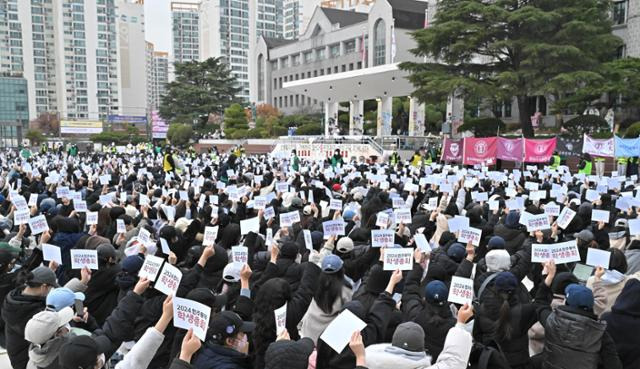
<point x="334" y="50"/>
<point x="335" y="69"/>
<point x="621" y="52"/>
<point x="284" y="62"/>
<point x="344" y="67"/>
<point x="380" y="46"/>
<point x="320" y="54"/>
<point x="350" y="46"/>
<point x="619" y="12"/>
<point x="295" y="60"/>
<point x="308" y="57"/>
<point x="350" y="66"/>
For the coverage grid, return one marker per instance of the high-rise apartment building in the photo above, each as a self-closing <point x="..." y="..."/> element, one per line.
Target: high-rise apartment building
<point x="293" y="18"/>
<point x="132" y="58"/>
<point x="160" y="76"/>
<point x="149" y="49"/>
<point x="185" y="18"/>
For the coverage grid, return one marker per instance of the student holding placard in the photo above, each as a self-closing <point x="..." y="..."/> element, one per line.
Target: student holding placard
<point x="607" y="284"/>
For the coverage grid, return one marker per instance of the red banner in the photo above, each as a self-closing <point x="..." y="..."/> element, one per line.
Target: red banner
<point x="538" y="151"/>
<point x="509" y="149"/>
<point x="452" y="150"/>
<point x="480" y="150"/>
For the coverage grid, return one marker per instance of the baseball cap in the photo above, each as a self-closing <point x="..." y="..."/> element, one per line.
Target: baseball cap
<point x="456" y="252"/>
<point x="345" y="244"/>
<point x="81" y="352"/>
<point x="436" y="292"/>
<point x="62" y="297"/>
<point x="106" y="251"/>
<point x="44" y="325"/>
<point x="348" y="214"/>
<point x="336" y="187"/>
<point x="231" y="272"/>
<point x="331" y="264"/>
<point x="408" y="336"/>
<point x="44" y="275"/>
<point x="307" y="210"/>
<point x="228" y="324"/>
<point x="584" y="235"/>
<point x="579" y="296"/>
<point x="132" y="264"/>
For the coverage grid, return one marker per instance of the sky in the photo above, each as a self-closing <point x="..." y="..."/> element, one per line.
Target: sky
<point x="157" y="25"/>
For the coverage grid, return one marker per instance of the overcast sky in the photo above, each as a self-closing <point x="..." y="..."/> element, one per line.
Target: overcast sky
<point x="158" y="23"/>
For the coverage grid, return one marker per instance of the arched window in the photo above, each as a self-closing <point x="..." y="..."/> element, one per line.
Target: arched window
<point x="260" y="78"/>
<point x="379" y="43"/>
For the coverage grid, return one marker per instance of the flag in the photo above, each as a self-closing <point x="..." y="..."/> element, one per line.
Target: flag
<point x="627" y="147"/>
<point x="598" y="147"/>
<point x="509" y="149"/>
<point x="539" y="150"/>
<point x="479" y="150"/>
<point x="393" y="43"/>
<point x="426" y="17"/>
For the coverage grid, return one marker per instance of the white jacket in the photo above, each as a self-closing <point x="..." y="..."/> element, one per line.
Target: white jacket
<point x="455" y="354"/>
<point x="143" y="351"/>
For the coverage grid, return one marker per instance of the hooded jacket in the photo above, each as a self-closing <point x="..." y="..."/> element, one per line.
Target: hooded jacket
<point x="623" y="324"/>
<point x="16" y="312"/>
<point x="606" y="292"/>
<point x="455" y="355"/>
<point x="213" y="356"/>
<point x="513" y="237"/>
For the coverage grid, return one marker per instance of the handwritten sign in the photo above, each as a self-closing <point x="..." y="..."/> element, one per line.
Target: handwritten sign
<point x="289" y="219"/>
<point x="461" y="290"/>
<point x="565" y="217"/>
<point x="470" y="234"/>
<point x="210" y="235"/>
<point x="382" y="238"/>
<point x="51" y="253"/>
<point x="191" y="314"/>
<point x="38" y="224"/>
<point x="561" y="253"/>
<point x="151" y="267"/>
<point x="538" y="222"/>
<point x="333" y="227"/>
<point x="92" y="217"/>
<point x="401" y="258"/>
<point x="240" y="254"/>
<point x="168" y="280"/>
<point x="598" y="258"/>
<point x="280" y="315"/>
<point x="82" y="258"/>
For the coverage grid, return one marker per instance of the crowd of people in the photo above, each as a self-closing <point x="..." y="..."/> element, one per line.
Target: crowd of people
<point x="550" y="314"/>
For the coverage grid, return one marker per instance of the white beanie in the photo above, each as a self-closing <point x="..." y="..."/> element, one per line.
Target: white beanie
<point x="498" y="260"/>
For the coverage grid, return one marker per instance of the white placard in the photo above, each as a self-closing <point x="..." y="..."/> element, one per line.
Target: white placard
<point x="280" y="315"/>
<point x="634" y="227"/>
<point x="421" y="242"/>
<point x="461" y="290"/>
<point x="105" y="179"/>
<point x="382" y="220"/>
<point x="333" y="227"/>
<point x="382" y="238"/>
<point x="259" y="202"/>
<point x="432" y="204"/>
<point x="151" y="267"/>
<point x="600" y="216"/>
<point x="92" y="217"/>
<point x="82" y="258"/>
<point x="282" y="187"/>
<point x="402" y="216"/>
<point x="240" y="254"/>
<point x="335" y="204"/>
<point x="80" y="206"/>
<point x="33" y="199"/>
<point x="308" y="242"/>
<point x="21" y="216"/>
<point x="552" y="209"/>
<point x="598" y="258"/>
<point x="144" y="236"/>
<point x="537" y="222"/>
<point x="191" y="314"/>
<point x="470" y="234"/>
<point x="400" y="258"/>
<point x="561" y="253"/>
<point x="457" y="223"/>
<point x="269" y="213"/>
<point x="19" y="202"/>
<point x="210" y="235"/>
<point x="120" y="226"/>
<point x="38" y="224"/>
<point x="338" y="333"/>
<point x="592" y="195"/>
<point x="565" y="217"/>
<point x="289" y="219"/>
<point x="397" y="202"/>
<point x="168" y="280"/>
<point x="51" y="253"/>
<point x="494" y="205"/>
<point x="250" y="225"/>
<point x="165" y="246"/>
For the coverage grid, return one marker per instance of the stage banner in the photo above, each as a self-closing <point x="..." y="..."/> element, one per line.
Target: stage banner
<point x="452" y="150"/>
<point x="538" y="150"/>
<point x="627" y="147"/>
<point x="479" y="150"/>
<point x="598" y="147"/>
<point x="509" y="149"/>
<point x="569" y="146"/>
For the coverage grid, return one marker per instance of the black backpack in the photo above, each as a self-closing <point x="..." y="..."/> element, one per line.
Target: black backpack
<point x="487" y="357"/>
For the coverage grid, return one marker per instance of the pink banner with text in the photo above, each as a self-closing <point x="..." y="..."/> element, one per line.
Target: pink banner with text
<point x="510" y="149"/>
<point x="538" y="150"/>
<point x="480" y="150"/>
<point x="452" y="150"/>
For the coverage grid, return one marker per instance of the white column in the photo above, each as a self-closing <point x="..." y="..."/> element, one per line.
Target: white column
<point x="416" y="117"/>
<point x="330" y="117"/>
<point x="356" y="111"/>
<point x="384" y="116"/>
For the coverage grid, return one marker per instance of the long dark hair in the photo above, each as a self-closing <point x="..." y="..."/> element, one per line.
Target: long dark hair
<point x="273" y="294"/>
<point x="329" y="288"/>
<point x="503" y="325"/>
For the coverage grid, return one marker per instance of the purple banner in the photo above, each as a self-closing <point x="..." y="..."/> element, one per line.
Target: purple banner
<point x="510" y="149"/>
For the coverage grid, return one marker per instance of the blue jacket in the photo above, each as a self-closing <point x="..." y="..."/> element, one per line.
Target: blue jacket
<point x="214" y="356"/>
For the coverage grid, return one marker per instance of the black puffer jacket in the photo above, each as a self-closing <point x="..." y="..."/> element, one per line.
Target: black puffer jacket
<point x="16" y="312"/>
<point x="513" y="238"/>
<point x="623" y="324"/>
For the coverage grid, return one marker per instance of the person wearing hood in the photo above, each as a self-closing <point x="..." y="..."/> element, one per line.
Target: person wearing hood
<point x="511" y="232"/>
<point x="407" y="351"/>
<point x="102" y="292"/>
<point x="128" y="276"/>
<point x="574" y="337"/>
<point x="432" y="312"/>
<point x="632" y="254"/>
<point x="623" y="324"/>
<point x="288" y="354"/>
<point x="24" y="302"/>
<point x="47" y="331"/>
<point x="607" y="284"/>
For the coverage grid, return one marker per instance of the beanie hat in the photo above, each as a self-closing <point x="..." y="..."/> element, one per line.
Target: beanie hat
<point x="409" y="336"/>
<point x="289" y="250"/>
<point x="316" y="239"/>
<point x="498" y="260"/>
<point x="132" y="264"/>
<point x="496" y="242"/>
<point x="506" y="282"/>
<point x="336" y="187"/>
<point x="512" y="220"/>
<point x="436" y="293"/>
<point x="579" y="296"/>
<point x="345" y="244"/>
<point x="288" y="354"/>
<point x="456" y="252"/>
